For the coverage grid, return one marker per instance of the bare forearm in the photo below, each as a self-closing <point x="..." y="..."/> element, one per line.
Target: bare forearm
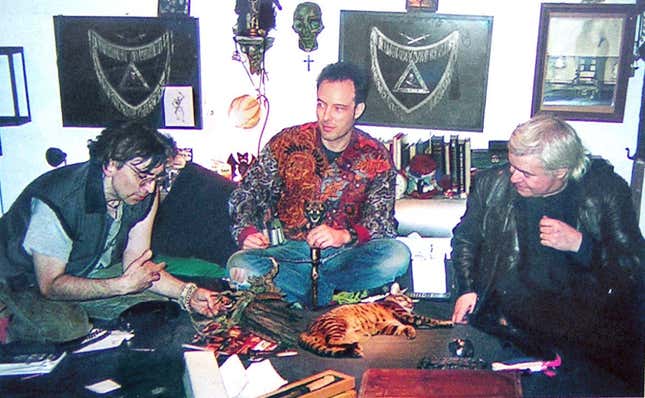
<point x="168" y="285"/>
<point x="68" y="287"/>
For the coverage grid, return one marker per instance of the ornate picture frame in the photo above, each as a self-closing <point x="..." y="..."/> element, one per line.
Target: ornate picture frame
<point x="583" y="60"/>
<point x="117" y="68"/>
<point x="427" y="70"/>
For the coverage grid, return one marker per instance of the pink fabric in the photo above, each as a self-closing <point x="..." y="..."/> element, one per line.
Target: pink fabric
<point x="4" y="326"/>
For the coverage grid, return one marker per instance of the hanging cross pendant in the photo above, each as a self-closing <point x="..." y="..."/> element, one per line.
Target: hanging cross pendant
<point x="308" y="61"/>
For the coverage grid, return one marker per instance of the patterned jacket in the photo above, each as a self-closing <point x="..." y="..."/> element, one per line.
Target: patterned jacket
<point x="357" y="189"/>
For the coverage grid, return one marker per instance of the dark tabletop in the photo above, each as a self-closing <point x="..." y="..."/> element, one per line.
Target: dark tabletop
<point x="159" y="373"/>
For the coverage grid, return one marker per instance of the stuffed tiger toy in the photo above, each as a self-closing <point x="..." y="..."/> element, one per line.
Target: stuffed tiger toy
<point x="337" y="332"/>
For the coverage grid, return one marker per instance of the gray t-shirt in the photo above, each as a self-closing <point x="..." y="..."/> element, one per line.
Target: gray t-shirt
<point x="45" y="235"/>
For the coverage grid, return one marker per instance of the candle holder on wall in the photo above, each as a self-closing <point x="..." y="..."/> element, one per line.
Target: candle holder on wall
<point x="251" y="32"/>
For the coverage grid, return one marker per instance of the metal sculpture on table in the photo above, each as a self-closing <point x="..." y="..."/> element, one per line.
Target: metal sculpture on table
<point x="315" y="213"/>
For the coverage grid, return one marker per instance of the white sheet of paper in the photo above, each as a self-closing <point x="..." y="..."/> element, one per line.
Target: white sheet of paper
<point x="115" y="339"/>
<point x="31" y="365"/>
<point x="202" y="377"/>
<point x="264" y="379"/>
<point x="103" y="387"/>
<point x="234" y="375"/>
<point x="428" y="262"/>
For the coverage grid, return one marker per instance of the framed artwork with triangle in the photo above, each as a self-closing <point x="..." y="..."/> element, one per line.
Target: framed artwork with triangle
<point x="427" y="70"/>
<point x="118" y="68"/>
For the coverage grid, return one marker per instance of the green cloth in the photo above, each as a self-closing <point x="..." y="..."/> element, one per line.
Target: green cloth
<point x="110" y="308"/>
<point x="191" y="267"/>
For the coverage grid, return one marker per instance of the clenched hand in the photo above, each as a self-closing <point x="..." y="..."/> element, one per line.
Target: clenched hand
<point x="140" y="274"/>
<point x="559" y="235"/>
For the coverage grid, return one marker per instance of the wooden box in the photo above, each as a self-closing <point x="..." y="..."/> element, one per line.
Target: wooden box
<point x="327" y="384"/>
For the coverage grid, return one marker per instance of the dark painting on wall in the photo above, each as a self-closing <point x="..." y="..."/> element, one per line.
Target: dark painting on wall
<point x="119" y="68"/>
<point x="427" y="70"/>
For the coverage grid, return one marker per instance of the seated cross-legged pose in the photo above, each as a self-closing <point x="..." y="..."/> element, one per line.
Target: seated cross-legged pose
<point x="331" y="186"/>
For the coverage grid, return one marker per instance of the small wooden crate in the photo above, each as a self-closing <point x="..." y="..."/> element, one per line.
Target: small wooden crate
<point x="334" y="385"/>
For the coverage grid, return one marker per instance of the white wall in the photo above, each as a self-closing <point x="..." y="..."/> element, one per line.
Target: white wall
<point x="290" y="88"/>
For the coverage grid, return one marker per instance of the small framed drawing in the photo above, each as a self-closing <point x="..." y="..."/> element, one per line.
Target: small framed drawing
<point x="422" y="5"/>
<point x="178" y="106"/>
<point x="173" y="7"/>
<point x="584" y="53"/>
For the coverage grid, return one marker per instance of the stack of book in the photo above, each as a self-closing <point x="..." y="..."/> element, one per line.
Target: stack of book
<point x="455" y="159"/>
<point x="452" y="158"/>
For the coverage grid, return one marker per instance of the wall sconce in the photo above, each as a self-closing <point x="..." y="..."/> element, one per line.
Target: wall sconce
<point x="55" y="156"/>
<point x="254" y="47"/>
<point x="255" y="19"/>
<point x="14" y="98"/>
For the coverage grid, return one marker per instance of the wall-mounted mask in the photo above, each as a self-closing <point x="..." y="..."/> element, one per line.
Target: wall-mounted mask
<point x="254" y="47"/>
<point x="307" y="23"/>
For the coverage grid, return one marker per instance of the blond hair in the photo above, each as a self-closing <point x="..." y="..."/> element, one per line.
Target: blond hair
<point x="554" y="141"/>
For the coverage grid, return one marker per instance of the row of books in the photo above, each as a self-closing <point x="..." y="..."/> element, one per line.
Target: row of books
<point x="455" y="160"/>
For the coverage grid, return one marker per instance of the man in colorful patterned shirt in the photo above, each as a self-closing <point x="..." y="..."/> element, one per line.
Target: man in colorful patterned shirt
<point x="337" y="168"/>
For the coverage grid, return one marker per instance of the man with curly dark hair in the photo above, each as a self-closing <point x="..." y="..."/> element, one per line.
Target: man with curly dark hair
<point x="75" y="244"/>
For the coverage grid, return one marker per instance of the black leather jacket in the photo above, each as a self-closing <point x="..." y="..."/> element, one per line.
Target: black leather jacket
<point x="485" y="242"/>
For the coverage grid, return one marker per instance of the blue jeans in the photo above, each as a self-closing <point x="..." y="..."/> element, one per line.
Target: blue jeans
<point x="348" y="268"/>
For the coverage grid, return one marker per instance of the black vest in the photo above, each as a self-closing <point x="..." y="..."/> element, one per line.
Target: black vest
<point x="75" y="194"/>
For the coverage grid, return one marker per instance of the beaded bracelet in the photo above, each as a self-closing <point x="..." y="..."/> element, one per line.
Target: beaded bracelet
<point x="186" y="296"/>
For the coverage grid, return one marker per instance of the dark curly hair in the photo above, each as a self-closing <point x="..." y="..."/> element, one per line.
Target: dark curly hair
<point x="129" y="140"/>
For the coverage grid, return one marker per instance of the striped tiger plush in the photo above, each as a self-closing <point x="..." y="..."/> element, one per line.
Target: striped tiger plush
<point x="337" y="332"/>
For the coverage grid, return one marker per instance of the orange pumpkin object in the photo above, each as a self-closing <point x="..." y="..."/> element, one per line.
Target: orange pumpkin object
<point x="245" y="111"/>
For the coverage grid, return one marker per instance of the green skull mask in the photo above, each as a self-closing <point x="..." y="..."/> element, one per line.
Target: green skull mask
<point x="307" y="23"/>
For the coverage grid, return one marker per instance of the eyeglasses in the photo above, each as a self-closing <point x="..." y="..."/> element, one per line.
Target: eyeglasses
<point x="146" y="178"/>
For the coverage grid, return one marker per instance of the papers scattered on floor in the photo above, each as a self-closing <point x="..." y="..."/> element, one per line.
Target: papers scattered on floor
<point x="205" y="379"/>
<point x="104" y="387"/>
<point x="105" y="340"/>
<point x="258" y="379"/>
<point x="27" y="364"/>
<point x="202" y="378"/>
